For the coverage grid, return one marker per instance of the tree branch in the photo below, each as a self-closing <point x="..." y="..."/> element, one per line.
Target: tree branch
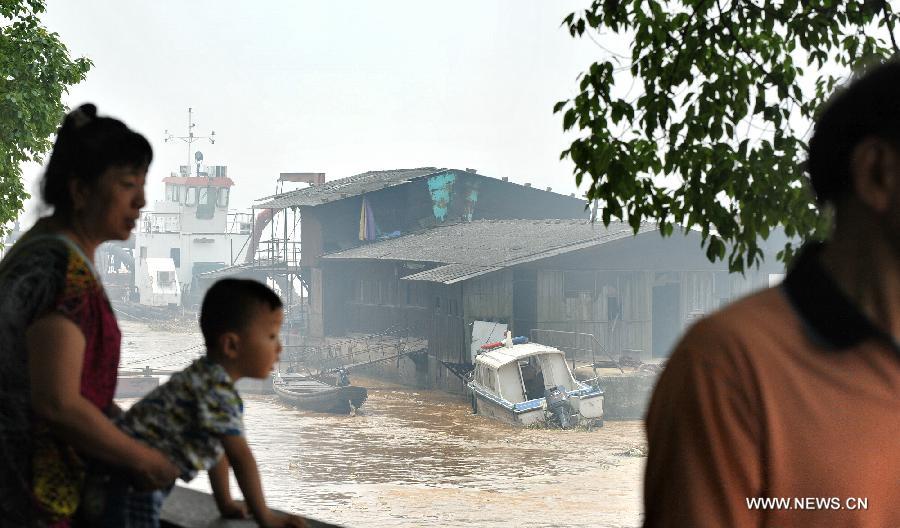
<point x="890" y="26"/>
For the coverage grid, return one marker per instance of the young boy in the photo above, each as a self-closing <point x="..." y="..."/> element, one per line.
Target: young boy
<point x="196" y="417"/>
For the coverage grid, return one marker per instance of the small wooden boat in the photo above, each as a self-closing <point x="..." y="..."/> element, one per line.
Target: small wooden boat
<point x="314" y="395"/>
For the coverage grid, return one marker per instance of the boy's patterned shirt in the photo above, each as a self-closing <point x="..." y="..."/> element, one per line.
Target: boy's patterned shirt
<point x="186" y="417"/>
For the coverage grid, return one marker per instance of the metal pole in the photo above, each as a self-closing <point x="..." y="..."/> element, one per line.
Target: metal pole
<point x="189" y="141"/>
<point x="252" y="231"/>
<point x="287" y="274"/>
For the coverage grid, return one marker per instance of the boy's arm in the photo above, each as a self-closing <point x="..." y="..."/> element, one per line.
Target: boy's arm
<point x="241" y="459"/>
<point x="218" y="481"/>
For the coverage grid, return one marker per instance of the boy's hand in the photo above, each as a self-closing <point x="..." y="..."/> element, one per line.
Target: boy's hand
<point x="276" y="520"/>
<point x="293" y="521"/>
<point x="234" y="510"/>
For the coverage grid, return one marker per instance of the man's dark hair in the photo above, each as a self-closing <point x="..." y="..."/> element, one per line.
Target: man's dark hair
<point x="868" y="107"/>
<point x="230" y="305"/>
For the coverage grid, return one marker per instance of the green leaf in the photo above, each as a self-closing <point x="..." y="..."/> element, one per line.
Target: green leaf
<point x="569" y="118"/>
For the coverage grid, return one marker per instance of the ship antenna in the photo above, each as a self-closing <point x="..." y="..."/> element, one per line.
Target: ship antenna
<point x="190" y="138"/>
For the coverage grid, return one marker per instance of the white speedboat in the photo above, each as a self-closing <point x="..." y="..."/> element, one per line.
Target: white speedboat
<point x="529" y="383"/>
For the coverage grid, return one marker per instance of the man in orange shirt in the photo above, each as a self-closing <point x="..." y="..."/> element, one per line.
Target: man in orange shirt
<point x="783" y="409"/>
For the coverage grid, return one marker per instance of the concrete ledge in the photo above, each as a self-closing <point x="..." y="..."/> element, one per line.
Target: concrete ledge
<point x="187" y="508"/>
<point x="626" y="397"/>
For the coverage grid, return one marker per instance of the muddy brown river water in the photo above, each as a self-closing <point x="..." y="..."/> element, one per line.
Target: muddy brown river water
<point x="413" y="458"/>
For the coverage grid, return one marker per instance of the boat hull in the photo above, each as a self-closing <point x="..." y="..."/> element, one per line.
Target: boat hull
<point x="492" y="409"/>
<point x="323" y="398"/>
<point x="588" y="407"/>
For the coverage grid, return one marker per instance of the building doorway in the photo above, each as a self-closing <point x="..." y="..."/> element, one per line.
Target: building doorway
<point x="524" y="302"/>
<point x="666" y="324"/>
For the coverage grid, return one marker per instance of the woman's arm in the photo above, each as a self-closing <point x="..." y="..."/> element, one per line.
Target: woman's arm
<point x="55" y="355"/>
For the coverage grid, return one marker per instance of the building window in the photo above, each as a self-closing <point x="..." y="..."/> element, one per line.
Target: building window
<point x="613" y="308"/>
<point x="415" y="294"/>
<point x="575" y="282"/>
<point x="191" y="196"/>
<point x="143" y="252"/>
<point x="206" y="196"/>
<point x="175" y="253"/>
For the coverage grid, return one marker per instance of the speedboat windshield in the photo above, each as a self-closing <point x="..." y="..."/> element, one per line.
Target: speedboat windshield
<point x="528" y="378"/>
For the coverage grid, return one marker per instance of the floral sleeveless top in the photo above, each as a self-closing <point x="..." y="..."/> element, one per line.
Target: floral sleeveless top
<point x="40" y="476"/>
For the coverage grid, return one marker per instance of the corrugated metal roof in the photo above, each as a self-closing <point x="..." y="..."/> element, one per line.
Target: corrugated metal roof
<point x="363" y="183"/>
<point x="452" y="273"/>
<point x="344" y="188"/>
<point x="470" y="249"/>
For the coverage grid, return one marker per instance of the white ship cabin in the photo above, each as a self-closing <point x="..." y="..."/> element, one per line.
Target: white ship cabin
<point x="191" y="229"/>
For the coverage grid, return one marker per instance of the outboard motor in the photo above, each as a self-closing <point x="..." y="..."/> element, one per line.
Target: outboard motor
<point x="558" y="407"/>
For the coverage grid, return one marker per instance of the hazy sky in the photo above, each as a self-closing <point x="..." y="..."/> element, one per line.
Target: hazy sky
<point x="334" y="87"/>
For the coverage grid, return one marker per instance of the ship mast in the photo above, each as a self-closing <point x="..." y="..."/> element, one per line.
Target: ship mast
<point x="190" y="138"/>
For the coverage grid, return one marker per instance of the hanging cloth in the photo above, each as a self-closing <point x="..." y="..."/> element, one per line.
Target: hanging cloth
<point x="368" y="229"/>
<point x="362" y="221"/>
